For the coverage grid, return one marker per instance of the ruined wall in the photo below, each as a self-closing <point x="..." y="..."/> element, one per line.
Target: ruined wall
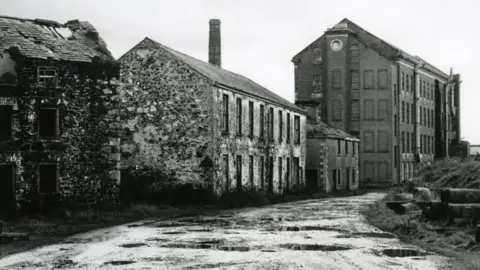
<point x="165" y="111"/>
<point x="86" y="162"/>
<point x="244" y="145"/>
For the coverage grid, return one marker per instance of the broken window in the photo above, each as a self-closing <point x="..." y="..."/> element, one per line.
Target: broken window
<point x="47" y="178"/>
<point x="226" y="172"/>
<point x="339" y="147"/>
<point x="280" y="171"/>
<point x="280" y="126"/>
<point x="288" y="173"/>
<point x="297" y="128"/>
<point x="262" y="172"/>
<point x="288" y="127"/>
<point x="5" y="123"/>
<point x="239" y="116"/>
<point x="250" y="171"/>
<point x="48" y="122"/>
<point x="262" y="120"/>
<point x="271" y="124"/>
<point x="251" y="118"/>
<point x="47" y="75"/>
<point x="239" y="173"/>
<point x="225" y="113"/>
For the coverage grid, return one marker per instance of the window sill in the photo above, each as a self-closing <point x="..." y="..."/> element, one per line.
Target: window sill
<point x="49" y="139"/>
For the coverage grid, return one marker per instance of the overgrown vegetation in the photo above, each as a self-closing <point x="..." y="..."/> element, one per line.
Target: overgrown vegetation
<point x="457" y="241"/>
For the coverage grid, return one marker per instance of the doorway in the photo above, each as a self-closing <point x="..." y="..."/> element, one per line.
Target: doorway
<point x="7" y="190"/>
<point x="270" y="175"/>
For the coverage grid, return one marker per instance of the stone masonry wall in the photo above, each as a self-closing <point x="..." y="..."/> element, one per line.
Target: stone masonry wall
<point x="165" y="113"/>
<point x="85" y="163"/>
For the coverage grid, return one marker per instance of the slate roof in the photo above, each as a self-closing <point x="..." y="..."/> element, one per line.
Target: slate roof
<point x="75" y="41"/>
<point x="380" y="46"/>
<point x="227" y="78"/>
<point x="318" y="129"/>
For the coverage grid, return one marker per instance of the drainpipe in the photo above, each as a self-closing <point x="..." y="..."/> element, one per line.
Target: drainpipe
<point x="416" y="102"/>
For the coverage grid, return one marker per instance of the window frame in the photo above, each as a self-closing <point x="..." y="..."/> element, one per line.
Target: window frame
<point x="57" y="177"/>
<point x="239" y="116"/>
<point x="225" y="113"/>
<point x="296" y="120"/>
<point x="367" y="72"/>
<point x="57" y="123"/>
<point x="45" y="77"/>
<point x="251" y="116"/>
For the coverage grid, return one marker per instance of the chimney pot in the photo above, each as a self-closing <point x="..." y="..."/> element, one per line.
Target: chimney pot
<point x="214" y="44"/>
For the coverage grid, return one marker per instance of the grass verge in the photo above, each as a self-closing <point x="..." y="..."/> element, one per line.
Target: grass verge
<point x="451" y="241"/>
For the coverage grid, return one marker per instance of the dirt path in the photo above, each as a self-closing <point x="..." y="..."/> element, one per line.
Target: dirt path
<point x="313" y="234"/>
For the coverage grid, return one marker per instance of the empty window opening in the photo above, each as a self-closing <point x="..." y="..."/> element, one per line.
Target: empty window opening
<point x="5" y="123"/>
<point x="48" y="178"/>
<point x="48" y="122"/>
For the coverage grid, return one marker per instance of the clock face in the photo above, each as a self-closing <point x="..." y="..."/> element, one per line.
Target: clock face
<point x="336" y="45"/>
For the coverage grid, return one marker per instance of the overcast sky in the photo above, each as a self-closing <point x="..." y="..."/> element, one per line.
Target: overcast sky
<point x="260" y="37"/>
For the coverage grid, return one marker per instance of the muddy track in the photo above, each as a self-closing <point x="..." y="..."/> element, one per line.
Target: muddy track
<point x="313" y="234"/>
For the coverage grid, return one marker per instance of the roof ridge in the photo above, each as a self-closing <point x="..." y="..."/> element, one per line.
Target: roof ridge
<point x="222" y="69"/>
<point x="36" y="20"/>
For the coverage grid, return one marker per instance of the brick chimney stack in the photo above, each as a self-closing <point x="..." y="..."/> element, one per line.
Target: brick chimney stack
<point x="214" y="44"/>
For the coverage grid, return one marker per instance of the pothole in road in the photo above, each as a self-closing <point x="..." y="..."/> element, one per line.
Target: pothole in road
<point x="200" y="230"/>
<point x="169" y="225"/>
<point x="368" y="234"/>
<point x="132" y="245"/>
<point x="306" y="228"/>
<point x="313" y="247"/>
<point x="119" y="262"/>
<point x="64" y="264"/>
<point x="174" y="232"/>
<point x="393" y="252"/>
<point x="213" y="221"/>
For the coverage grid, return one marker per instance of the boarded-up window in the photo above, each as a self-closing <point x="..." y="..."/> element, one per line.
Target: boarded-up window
<point x="382" y="79"/>
<point x="368" y="139"/>
<point x="354" y="79"/>
<point x="383" y="141"/>
<point x="317" y="55"/>
<point x="368" y="106"/>
<point x="354" y="53"/>
<point x="337" y="110"/>
<point x="317" y="83"/>
<point x="368" y="79"/>
<point x="382" y="171"/>
<point x="336" y="79"/>
<point x="368" y="166"/>
<point x="355" y="110"/>
<point x="383" y="109"/>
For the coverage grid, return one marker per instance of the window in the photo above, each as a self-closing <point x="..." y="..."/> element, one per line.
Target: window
<point x="339" y="147"/>
<point x="421" y="119"/>
<point x="413" y="114"/>
<point x="317" y="83"/>
<point x="280" y="126"/>
<point x="368" y="171"/>
<point x="346" y="147"/>
<point x="336" y="79"/>
<point x="239" y="116"/>
<point x="226" y="172"/>
<point x="262" y="172"/>
<point x="337" y="110"/>
<point x="395" y="156"/>
<point x="354" y="53"/>
<point x="225" y="113"/>
<point x="369" y="109"/>
<point x="425" y="116"/>
<point x="421" y="144"/>
<point x="403" y="141"/>
<point x="368" y="79"/>
<point x="262" y="121"/>
<point x="251" y="117"/>
<point x="5" y="123"/>
<point x="271" y="122"/>
<point x="47" y="178"/>
<point x="288" y="173"/>
<point x="403" y="111"/>
<point x="48" y="123"/>
<point x="368" y="137"/>
<point x="354" y="148"/>
<point x="347" y="174"/>
<point x="288" y="127"/>
<point x="382" y="78"/>
<point x="354" y="176"/>
<point x="383" y="141"/>
<point x="250" y="171"/>
<point x="296" y="170"/>
<point x="239" y="173"/>
<point x="47" y="75"/>
<point x="402" y="78"/>
<point x="339" y="177"/>
<point x="355" y="110"/>
<point x="297" y="128"/>
<point x="395" y="94"/>
<point x="280" y="184"/>
<point x="408" y="113"/>
<point x="382" y="109"/>
<point x="382" y="170"/>
<point x="408" y="150"/>
<point x="395" y="123"/>
<point x="354" y="79"/>
<point x="408" y="82"/>
<point x="412" y="137"/>
<point x="317" y="55"/>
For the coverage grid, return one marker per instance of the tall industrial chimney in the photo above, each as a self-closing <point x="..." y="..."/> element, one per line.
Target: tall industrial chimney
<point x="214" y="44"/>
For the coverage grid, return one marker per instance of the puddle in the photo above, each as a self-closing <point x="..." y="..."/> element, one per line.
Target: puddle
<point x="369" y="234"/>
<point x="200" y="230"/>
<point x="234" y="248"/>
<point x="174" y="232"/>
<point x="210" y="241"/>
<point x="306" y="228"/>
<point x="170" y="224"/>
<point x="119" y="262"/>
<point x="404" y="252"/>
<point x="133" y="245"/>
<point x="64" y="264"/>
<point x="157" y="239"/>
<point x="213" y="221"/>
<point x="305" y="247"/>
<point x="188" y="246"/>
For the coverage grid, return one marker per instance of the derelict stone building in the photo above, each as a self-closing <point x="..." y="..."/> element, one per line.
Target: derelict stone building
<point x="54" y="96"/>
<point x="198" y="123"/>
